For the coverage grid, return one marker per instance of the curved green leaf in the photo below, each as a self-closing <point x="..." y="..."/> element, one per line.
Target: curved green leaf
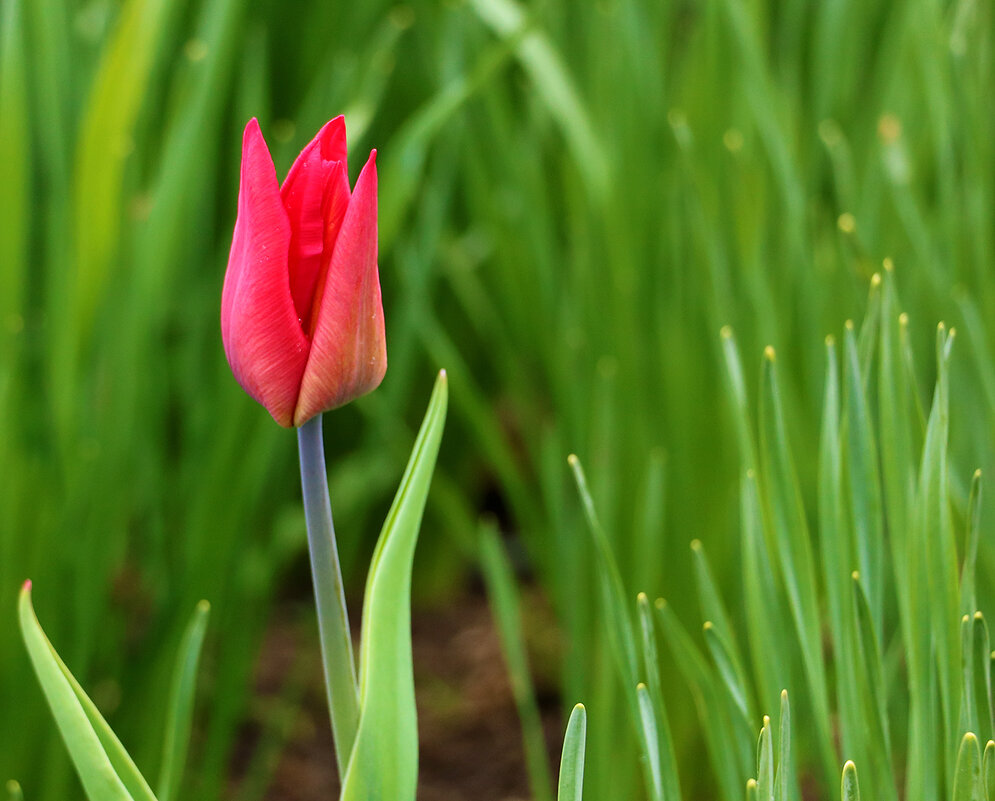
<point x="177" y="737"/>
<point x="73" y="714"/>
<point x="383" y="765"/>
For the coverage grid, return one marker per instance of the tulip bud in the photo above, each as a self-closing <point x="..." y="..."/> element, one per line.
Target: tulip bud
<point x="301" y="314"/>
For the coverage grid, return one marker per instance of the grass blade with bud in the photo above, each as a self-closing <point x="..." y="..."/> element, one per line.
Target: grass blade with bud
<point x="571" y="782"/>
<point x="181" y="702"/>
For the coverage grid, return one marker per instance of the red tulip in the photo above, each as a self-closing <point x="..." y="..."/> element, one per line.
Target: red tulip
<point x="301" y="315"/>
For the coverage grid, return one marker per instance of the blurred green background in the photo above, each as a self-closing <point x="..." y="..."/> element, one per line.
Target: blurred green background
<point x="574" y="197"/>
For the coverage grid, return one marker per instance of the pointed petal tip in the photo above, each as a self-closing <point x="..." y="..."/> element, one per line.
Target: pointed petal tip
<point x="26" y="588"/>
<point x="331" y="140"/>
<point x="251" y="129"/>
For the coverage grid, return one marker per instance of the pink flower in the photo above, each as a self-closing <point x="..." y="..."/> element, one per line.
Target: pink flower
<point x="301" y="315"/>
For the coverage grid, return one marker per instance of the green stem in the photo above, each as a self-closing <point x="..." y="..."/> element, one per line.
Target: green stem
<point x="333" y="619"/>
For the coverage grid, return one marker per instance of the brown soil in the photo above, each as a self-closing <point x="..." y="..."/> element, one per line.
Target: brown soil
<point x="469" y="732"/>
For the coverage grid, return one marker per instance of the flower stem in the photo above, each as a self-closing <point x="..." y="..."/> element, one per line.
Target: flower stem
<point x="333" y="620"/>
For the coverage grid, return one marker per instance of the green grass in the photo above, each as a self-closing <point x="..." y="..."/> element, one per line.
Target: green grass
<point x="575" y="198"/>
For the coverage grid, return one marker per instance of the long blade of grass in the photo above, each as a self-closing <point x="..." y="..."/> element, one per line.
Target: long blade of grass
<point x="968" y="577"/>
<point x="861" y="458"/>
<point x="15" y="210"/>
<point x="554" y="84"/>
<point x="647" y="718"/>
<point x="785" y="781"/>
<point x="651" y="665"/>
<point x="720" y="628"/>
<point x="503" y="595"/>
<point x="790" y="529"/>
<point x="179" y="718"/>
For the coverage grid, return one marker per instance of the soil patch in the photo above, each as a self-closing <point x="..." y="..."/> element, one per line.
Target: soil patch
<point x="469" y="733"/>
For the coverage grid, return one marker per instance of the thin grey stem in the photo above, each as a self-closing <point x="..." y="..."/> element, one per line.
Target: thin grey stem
<point x="333" y="619"/>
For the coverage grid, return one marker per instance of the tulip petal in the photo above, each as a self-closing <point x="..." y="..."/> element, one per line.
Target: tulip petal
<point x="263" y="340"/>
<point x="348" y="351"/>
<point x="317" y="180"/>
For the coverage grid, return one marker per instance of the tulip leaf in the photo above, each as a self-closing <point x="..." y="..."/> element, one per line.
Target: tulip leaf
<point x="105" y="770"/>
<point x="180" y="716"/>
<point x="571" y="784"/>
<point x="384" y="760"/>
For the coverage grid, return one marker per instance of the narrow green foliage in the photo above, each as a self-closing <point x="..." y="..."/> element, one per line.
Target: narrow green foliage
<point x="708" y="696"/>
<point x="622" y="639"/>
<point x="14" y="181"/>
<point x="988" y="771"/>
<point x="104" y="767"/>
<point x="765" y="762"/>
<point x="936" y="544"/>
<point x="571" y="782"/>
<point x="872" y="673"/>
<point x="791" y="538"/>
<point x="725" y="662"/>
<point x="864" y="481"/>
<point x="849" y="787"/>
<point x="667" y="759"/>
<point x="947" y="669"/>
<point x="554" y="86"/>
<point x="837" y="556"/>
<point x="647" y="717"/>
<point x="968" y="593"/>
<point x="387" y="734"/>
<point x="105" y="142"/>
<point x="718" y="631"/>
<point x="176" y="741"/>
<point x="980" y="677"/>
<point x="610" y="580"/>
<point x="503" y="595"/>
<point x="967" y="776"/>
<point x="784" y="778"/>
<point x="767" y="624"/>
<point x="737" y="384"/>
